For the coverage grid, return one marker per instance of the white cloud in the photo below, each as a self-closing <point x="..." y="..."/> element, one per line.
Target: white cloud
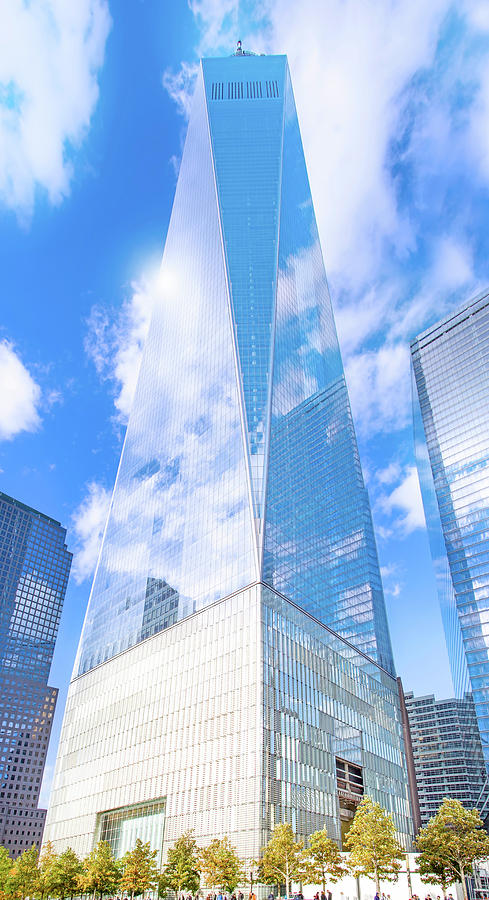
<point x="451" y="270"/>
<point x="50" y="55"/>
<point x="356" y="80"/>
<point x="478" y="14"/>
<point x="180" y="86"/>
<point x="452" y="267"/>
<point x="20" y="395"/>
<point x="54" y="397"/>
<point x="357" y="77"/>
<point x="390" y="474"/>
<point x="380" y="388"/>
<point x="88" y="527"/>
<point x="374" y="97"/>
<point x="406" y="500"/>
<point x="115" y="343"/>
<point x="478" y="124"/>
<point x="379" y="379"/>
<point x="364" y="316"/>
<point x="218" y="24"/>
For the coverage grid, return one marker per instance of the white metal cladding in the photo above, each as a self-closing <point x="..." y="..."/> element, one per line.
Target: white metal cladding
<point x="234" y="715"/>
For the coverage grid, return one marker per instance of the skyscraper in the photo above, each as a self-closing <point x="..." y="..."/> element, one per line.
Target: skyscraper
<point x="447" y="753"/>
<point x="239" y="542"/>
<point x="34" y="569"/>
<point x="451" y="414"/>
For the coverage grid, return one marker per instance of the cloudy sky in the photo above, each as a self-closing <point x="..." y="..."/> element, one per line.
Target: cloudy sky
<point x="393" y="101"/>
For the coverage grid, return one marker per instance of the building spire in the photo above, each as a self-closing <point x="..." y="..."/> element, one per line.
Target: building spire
<point x="240" y="52"/>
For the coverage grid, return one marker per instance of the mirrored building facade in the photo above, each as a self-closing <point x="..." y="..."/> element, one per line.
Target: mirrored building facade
<point x="34" y="569"/>
<point x="239" y="554"/>
<point x="451" y="416"/>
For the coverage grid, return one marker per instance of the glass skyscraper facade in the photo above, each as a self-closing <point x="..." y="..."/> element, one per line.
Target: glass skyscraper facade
<point x="240" y="529"/>
<point x="34" y="569"/>
<point x="451" y="416"/>
<point x="447" y="753"/>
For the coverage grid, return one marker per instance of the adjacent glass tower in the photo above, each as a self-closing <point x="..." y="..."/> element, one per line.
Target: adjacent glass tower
<point x="34" y="569"/>
<point x="240" y="530"/>
<point x="451" y="414"/>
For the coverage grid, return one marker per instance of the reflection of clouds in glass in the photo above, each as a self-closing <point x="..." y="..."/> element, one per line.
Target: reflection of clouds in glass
<point x="319" y="545"/>
<point x="180" y="512"/>
<point x="299" y="385"/>
<point x="306" y="354"/>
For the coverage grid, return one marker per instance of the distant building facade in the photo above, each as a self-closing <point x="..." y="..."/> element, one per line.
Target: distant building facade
<point x="34" y="569"/>
<point x="447" y="752"/>
<point x="451" y="419"/>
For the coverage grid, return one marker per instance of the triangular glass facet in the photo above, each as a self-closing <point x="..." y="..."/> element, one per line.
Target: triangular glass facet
<point x="179" y="533"/>
<point x="246" y="121"/>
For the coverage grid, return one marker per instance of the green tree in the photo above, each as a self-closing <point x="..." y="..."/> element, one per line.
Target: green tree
<point x="182" y="871"/>
<point x="6" y="865"/>
<point x="101" y="872"/>
<point x="282" y="859"/>
<point x="24" y="875"/>
<point x="450" y="843"/>
<point x="66" y="874"/>
<point x="139" y="869"/>
<point x="46" y="862"/>
<point x="322" y="859"/>
<point x="221" y="865"/>
<point x="371" y="840"/>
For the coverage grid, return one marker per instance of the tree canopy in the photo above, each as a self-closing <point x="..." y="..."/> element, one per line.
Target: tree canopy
<point x="221" y="865"/>
<point x="182" y="871"/>
<point x="139" y="869"/>
<point x="322" y="861"/>
<point x="282" y="860"/>
<point x="24" y="874"/>
<point x="6" y="865"/>
<point x="66" y="874"/>
<point x="374" y="849"/>
<point x="101" y="872"/>
<point x="450" y="843"/>
<point x="46" y="885"/>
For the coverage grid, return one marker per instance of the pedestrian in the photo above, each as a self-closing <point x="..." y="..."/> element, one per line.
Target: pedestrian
<point x="271" y="896"/>
<point x="330" y="896"/>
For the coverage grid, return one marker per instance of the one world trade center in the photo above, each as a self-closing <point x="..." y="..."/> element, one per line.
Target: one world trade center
<point x="235" y="667"/>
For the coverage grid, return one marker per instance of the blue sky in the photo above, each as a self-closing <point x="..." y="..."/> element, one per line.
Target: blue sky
<point x="393" y="101"/>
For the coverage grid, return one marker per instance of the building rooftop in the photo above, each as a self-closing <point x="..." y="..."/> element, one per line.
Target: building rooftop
<point x="29" y="509"/>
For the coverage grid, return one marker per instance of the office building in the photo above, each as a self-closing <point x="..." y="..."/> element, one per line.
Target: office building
<point x="451" y="418"/>
<point x="34" y="569"/>
<point x="235" y="645"/>
<point x="447" y="753"/>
